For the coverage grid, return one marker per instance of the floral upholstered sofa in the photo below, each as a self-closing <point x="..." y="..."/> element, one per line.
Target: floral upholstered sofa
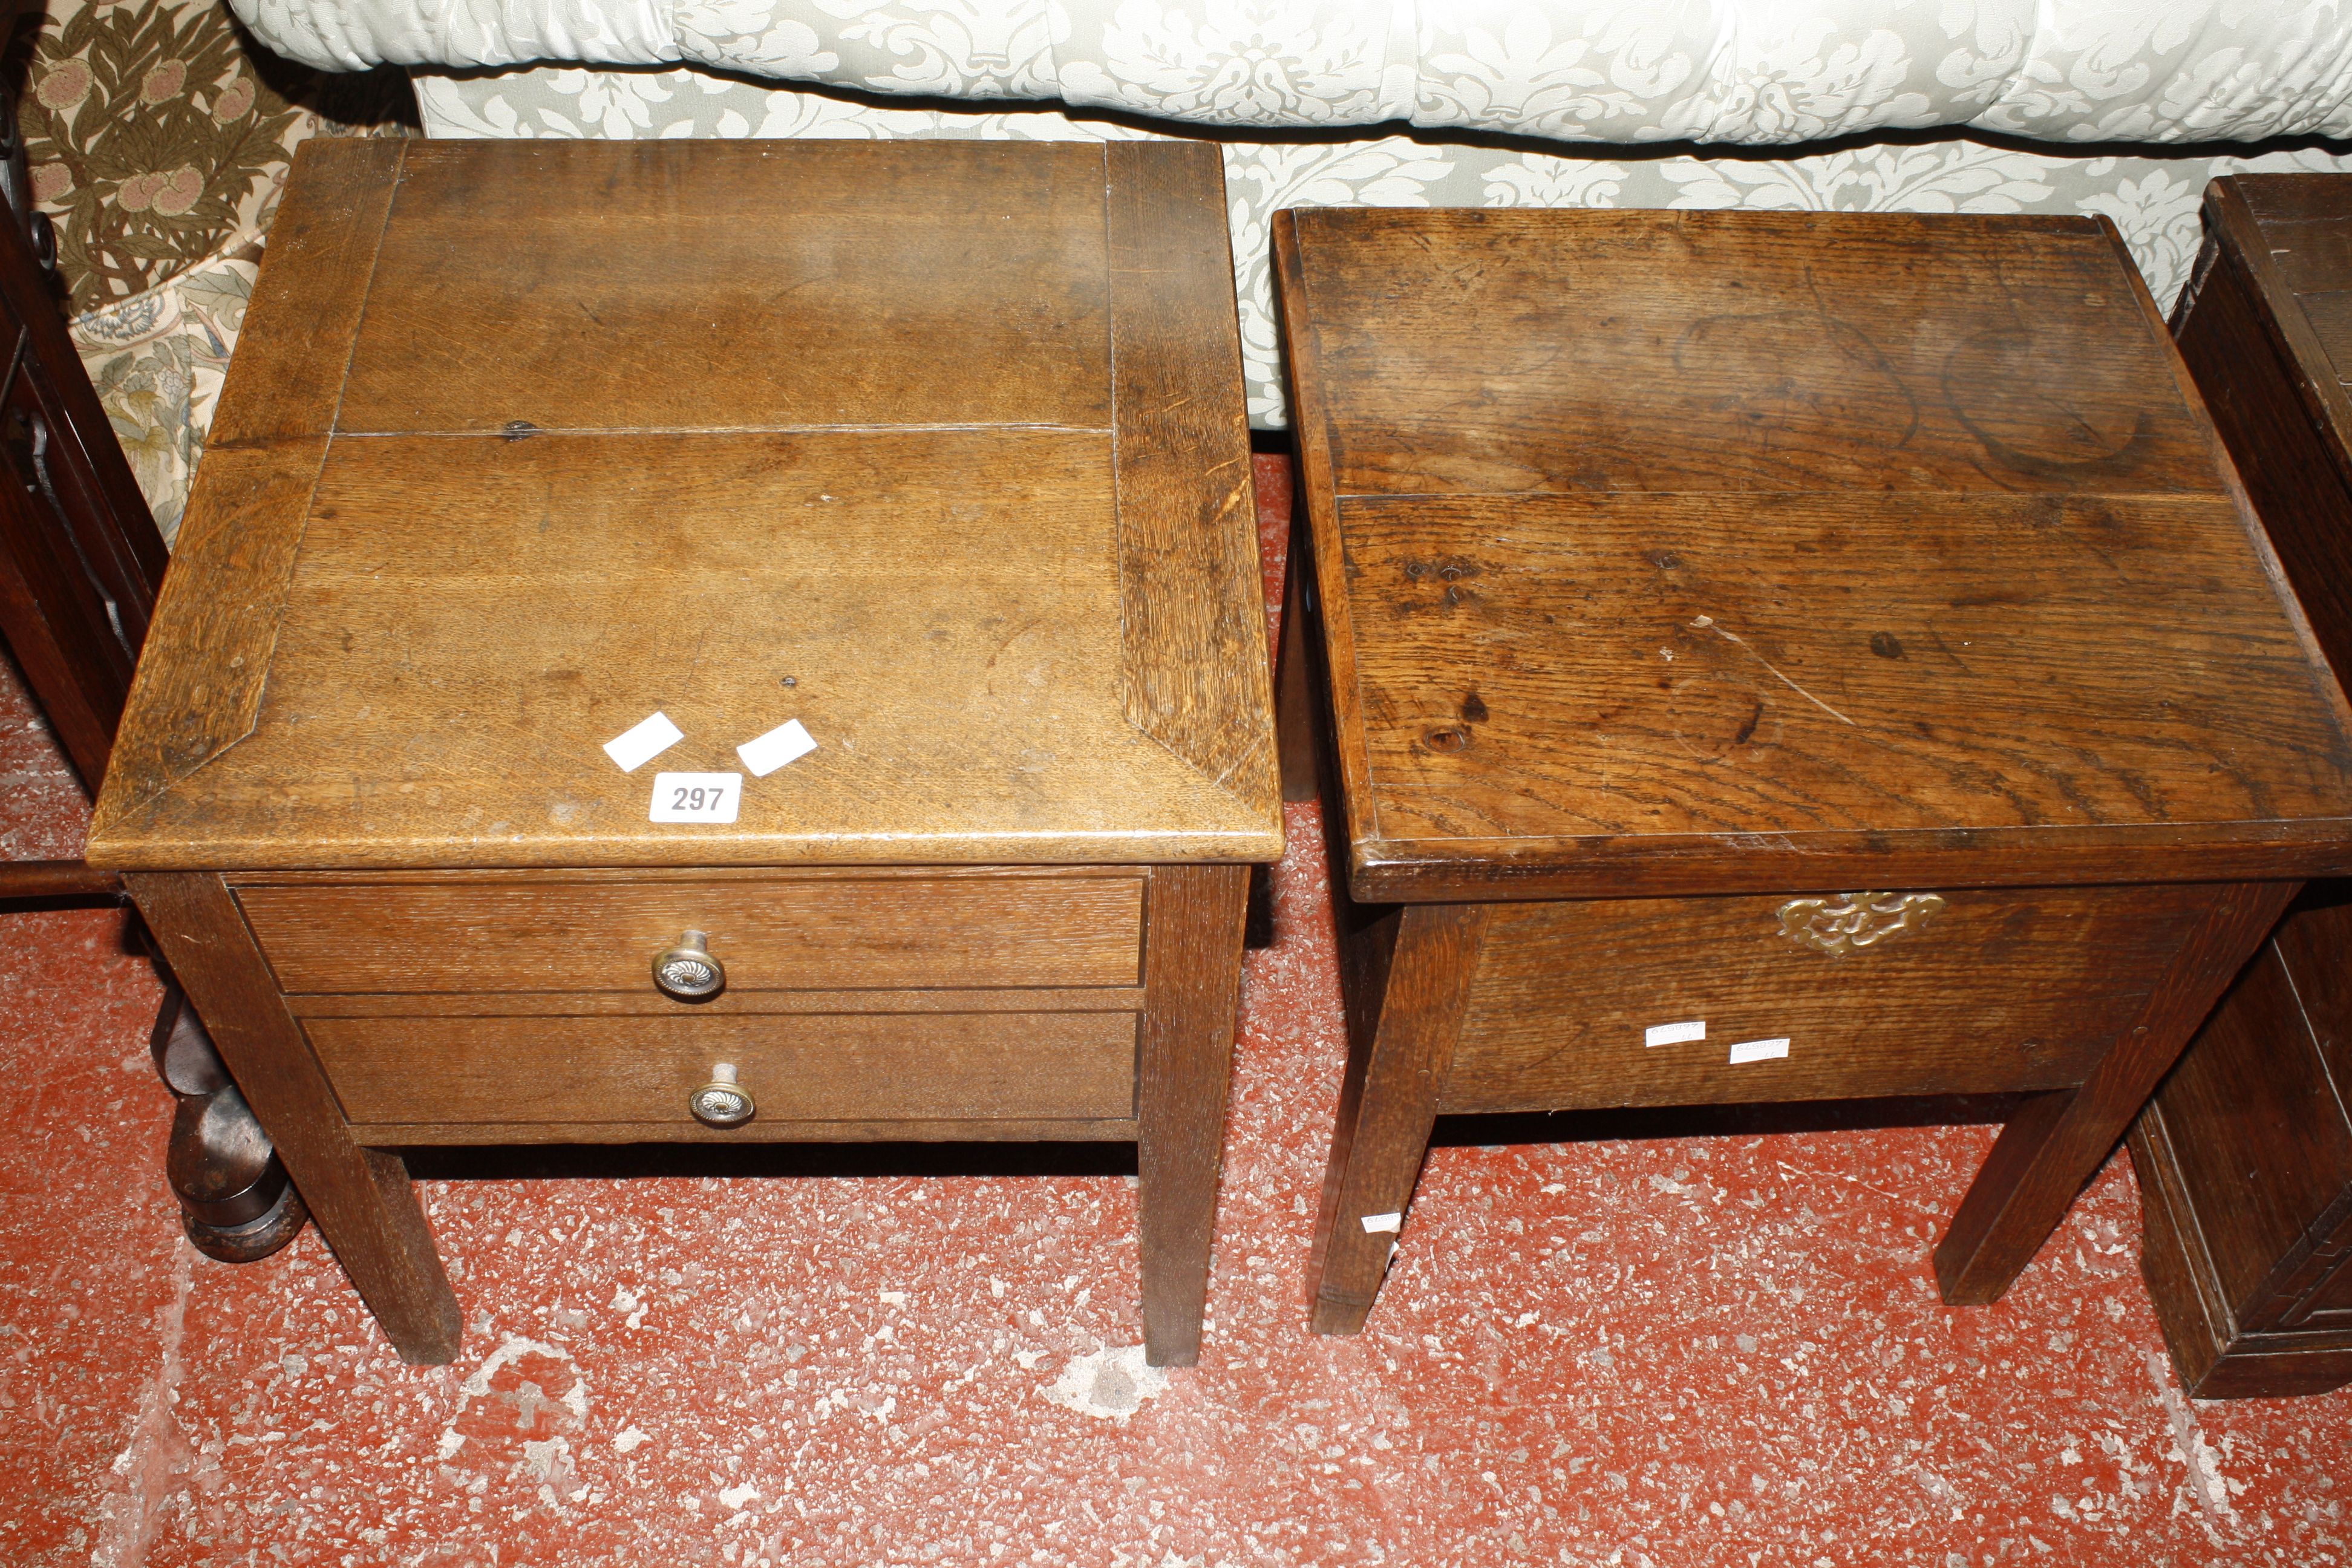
<point x="2120" y="107"/>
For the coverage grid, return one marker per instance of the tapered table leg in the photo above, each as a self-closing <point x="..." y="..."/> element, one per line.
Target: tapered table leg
<point x="1191" y="981"/>
<point x="2057" y="1140"/>
<point x="361" y="1198"/>
<point x="1399" y="1051"/>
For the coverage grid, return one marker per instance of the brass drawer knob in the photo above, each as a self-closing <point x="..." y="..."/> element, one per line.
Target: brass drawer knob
<point x="722" y="1102"/>
<point x="688" y="972"/>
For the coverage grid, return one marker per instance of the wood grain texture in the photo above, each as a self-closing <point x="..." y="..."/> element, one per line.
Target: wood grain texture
<point x="2215" y="1358"/>
<point x="292" y="353"/>
<point x="425" y="708"/>
<point x="2275" y="402"/>
<point x="1194" y="624"/>
<point x="832" y="934"/>
<point x="734" y="1002"/>
<point x="754" y="284"/>
<point x="1999" y="991"/>
<point x="1400" y="1055"/>
<point x="359" y="1196"/>
<point x="206" y="662"/>
<point x="1762" y="633"/>
<point x="57" y="879"/>
<point x="2057" y="1143"/>
<point x="996" y="1130"/>
<point x="680" y="450"/>
<point x="1608" y="691"/>
<point x="837" y="1068"/>
<point x="1502" y="352"/>
<point x="1191" y="968"/>
<point x="2290" y="240"/>
<point x="2244" y="1151"/>
<point x="2258" y="1140"/>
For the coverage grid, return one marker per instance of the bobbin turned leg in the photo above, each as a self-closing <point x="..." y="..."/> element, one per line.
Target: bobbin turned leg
<point x="235" y="1202"/>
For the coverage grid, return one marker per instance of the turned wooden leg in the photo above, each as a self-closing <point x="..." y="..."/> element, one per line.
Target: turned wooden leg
<point x="236" y="1204"/>
<point x="2057" y="1141"/>
<point x="361" y="1198"/>
<point x="1192" y="984"/>
<point x="1401" y="1032"/>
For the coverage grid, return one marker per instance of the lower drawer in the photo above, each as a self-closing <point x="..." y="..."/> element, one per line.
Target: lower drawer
<point x="1982" y="992"/>
<point x="799" y="1068"/>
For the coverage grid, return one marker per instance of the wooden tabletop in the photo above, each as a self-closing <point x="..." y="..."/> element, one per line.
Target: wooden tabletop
<point x="1676" y="551"/>
<point x="936" y="447"/>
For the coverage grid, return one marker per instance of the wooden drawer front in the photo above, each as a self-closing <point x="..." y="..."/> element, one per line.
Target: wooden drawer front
<point x="812" y="934"/>
<point x="1999" y="990"/>
<point x="833" y="1066"/>
<point x="2328" y="1303"/>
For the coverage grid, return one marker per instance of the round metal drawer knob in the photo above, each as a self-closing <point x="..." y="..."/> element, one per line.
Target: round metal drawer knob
<point x="722" y="1102"/>
<point x="688" y="972"/>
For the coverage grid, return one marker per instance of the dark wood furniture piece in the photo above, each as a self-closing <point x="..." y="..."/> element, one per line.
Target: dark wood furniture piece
<point x="81" y="559"/>
<point x="80" y="565"/>
<point x="1838" y="634"/>
<point x="2245" y="1154"/>
<point x="938" y="448"/>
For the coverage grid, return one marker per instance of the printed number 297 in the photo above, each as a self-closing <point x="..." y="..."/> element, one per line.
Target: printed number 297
<point x="696" y="798"/>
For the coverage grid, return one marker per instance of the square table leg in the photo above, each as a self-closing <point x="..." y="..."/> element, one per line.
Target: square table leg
<point x="1406" y="1008"/>
<point x="1192" y="979"/>
<point x="2057" y="1140"/>
<point x="365" y="1203"/>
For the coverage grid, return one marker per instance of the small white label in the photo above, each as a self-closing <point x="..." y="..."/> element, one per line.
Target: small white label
<point x="1675" y="1033"/>
<point x="1759" y="1050"/>
<point x="1382" y="1223"/>
<point x="696" y="798"/>
<point x="786" y="742"/>
<point x="636" y="747"/>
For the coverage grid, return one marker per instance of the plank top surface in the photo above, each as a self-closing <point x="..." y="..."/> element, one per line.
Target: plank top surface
<point x="1687" y="552"/>
<point x="938" y="448"/>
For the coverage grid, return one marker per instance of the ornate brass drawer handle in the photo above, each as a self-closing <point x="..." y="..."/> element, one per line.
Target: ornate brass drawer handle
<point x="688" y="972"/>
<point x="723" y="1101"/>
<point x="1850" y="921"/>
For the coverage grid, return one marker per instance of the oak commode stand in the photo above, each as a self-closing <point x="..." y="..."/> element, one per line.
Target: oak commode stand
<point x="884" y="507"/>
<point x="1781" y="656"/>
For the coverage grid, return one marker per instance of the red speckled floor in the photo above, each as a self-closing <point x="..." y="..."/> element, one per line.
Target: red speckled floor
<point x="1681" y="1352"/>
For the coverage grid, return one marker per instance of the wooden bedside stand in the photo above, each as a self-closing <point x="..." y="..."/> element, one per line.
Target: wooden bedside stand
<point x="2245" y="1154"/>
<point x="1781" y="656"/>
<point x="937" y="449"/>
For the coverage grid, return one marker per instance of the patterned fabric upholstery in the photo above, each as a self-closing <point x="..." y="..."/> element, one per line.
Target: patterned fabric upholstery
<point x="157" y="143"/>
<point x="1942" y="105"/>
<point x="2152" y="199"/>
<point x="1747" y="71"/>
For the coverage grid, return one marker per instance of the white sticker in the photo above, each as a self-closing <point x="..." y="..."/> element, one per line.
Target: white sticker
<point x="1377" y="1223"/>
<point x="786" y="744"/>
<point x="636" y="747"/>
<point x="1759" y="1050"/>
<point x="696" y="798"/>
<point x="1675" y="1033"/>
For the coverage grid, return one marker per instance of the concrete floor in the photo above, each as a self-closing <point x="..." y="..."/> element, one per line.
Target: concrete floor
<point x="1721" y="1348"/>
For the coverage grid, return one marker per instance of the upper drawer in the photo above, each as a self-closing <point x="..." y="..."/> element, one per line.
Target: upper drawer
<point x="481" y="934"/>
